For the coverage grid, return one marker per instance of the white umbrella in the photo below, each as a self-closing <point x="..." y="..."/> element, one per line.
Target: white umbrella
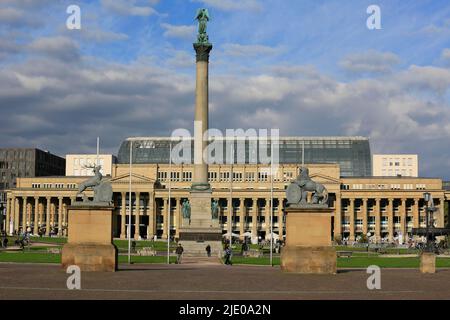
<point x="274" y="236"/>
<point x="247" y="234"/>
<point x="232" y="234"/>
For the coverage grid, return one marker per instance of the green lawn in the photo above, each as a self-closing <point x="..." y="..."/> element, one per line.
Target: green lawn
<point x="354" y="262"/>
<point x="27" y="257"/>
<point x="33" y="257"/>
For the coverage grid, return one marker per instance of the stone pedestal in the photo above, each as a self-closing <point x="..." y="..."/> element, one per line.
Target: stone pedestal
<point x="308" y="241"/>
<point x="90" y="242"/>
<point x="202" y="229"/>
<point x="427" y="262"/>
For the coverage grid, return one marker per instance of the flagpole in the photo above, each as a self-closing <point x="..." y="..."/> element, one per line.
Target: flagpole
<point x="271" y="203"/>
<point x="98" y="150"/>
<point x="170" y="202"/>
<point x="230" y="222"/>
<point x="130" y="205"/>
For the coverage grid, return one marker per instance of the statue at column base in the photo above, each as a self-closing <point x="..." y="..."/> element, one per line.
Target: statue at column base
<point x="103" y="192"/>
<point x="297" y="192"/>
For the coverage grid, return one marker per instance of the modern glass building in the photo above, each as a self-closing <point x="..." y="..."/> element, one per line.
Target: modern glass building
<point x="351" y="153"/>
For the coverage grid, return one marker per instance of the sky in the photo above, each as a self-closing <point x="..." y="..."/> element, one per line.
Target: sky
<point x="307" y="67"/>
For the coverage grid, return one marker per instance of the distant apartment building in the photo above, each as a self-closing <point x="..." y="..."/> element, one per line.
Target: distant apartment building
<point x="392" y="165"/>
<point x="78" y="165"/>
<point x="22" y="163"/>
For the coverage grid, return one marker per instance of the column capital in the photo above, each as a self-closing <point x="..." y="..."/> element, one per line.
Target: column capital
<point x="36" y="198"/>
<point x="123" y="193"/>
<point x="202" y="51"/>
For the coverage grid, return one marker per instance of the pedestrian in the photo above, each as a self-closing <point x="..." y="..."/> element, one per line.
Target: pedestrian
<point x="208" y="250"/>
<point x="228" y="255"/>
<point x="179" y="252"/>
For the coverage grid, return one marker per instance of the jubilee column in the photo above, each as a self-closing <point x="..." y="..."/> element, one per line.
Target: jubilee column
<point x="200" y="230"/>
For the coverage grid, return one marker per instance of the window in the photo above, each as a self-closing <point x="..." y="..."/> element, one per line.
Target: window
<point x="187" y="176"/>
<point x="262" y="176"/>
<point x="224" y="176"/>
<point x="162" y="176"/>
<point x="250" y="176"/>
<point x="237" y="176"/>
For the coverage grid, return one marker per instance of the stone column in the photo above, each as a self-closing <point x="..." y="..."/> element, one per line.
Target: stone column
<point x="41" y="214"/>
<point x="36" y="216"/>
<point x="403" y="227"/>
<point x="16" y="214"/>
<point x="364" y="216"/>
<point x="267" y="217"/>
<point x="60" y="216"/>
<point x="441" y="213"/>
<point x="151" y="230"/>
<point x="123" y="215"/>
<point x="280" y="218"/>
<point x="416" y="219"/>
<point x="47" y="217"/>
<point x="391" y="218"/>
<point x="255" y="217"/>
<point x="241" y="218"/>
<point x="165" y="216"/>
<point x="24" y="214"/>
<point x="137" y="219"/>
<point x="351" y="211"/>
<point x="377" y="211"/>
<point x="8" y="214"/>
<point x="338" y="217"/>
<point x="65" y="234"/>
<point x="200" y="176"/>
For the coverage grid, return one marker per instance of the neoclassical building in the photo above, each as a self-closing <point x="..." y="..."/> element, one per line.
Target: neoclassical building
<point x="385" y="207"/>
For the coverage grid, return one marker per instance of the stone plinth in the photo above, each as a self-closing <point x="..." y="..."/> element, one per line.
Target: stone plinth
<point x="427" y="262"/>
<point x="202" y="230"/>
<point x="90" y="242"/>
<point x="308" y="241"/>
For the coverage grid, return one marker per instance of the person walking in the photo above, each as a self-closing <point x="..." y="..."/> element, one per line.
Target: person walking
<point x="208" y="250"/>
<point x="228" y="255"/>
<point x="179" y="252"/>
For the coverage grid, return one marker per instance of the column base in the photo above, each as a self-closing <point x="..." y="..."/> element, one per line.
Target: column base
<point x="87" y="257"/>
<point x="427" y="262"/>
<point x="310" y="260"/>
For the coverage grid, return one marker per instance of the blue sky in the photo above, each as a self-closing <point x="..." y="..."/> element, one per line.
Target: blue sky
<point x="308" y="67"/>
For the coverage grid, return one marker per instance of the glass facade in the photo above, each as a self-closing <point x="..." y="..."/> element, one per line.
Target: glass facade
<point x="351" y="153"/>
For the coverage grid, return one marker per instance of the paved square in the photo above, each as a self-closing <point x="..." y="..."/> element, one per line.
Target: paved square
<point x="38" y="281"/>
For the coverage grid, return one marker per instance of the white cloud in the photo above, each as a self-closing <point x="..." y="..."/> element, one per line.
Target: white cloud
<point x="229" y="5"/>
<point x="369" y="62"/>
<point x="62" y="48"/>
<point x="238" y="50"/>
<point x="128" y="7"/>
<point x="99" y="35"/>
<point x="180" y="31"/>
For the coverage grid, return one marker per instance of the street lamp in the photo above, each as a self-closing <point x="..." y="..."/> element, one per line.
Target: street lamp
<point x="130" y="200"/>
